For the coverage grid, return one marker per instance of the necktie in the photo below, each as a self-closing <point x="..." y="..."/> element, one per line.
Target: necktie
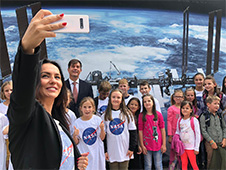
<point x="75" y="92"/>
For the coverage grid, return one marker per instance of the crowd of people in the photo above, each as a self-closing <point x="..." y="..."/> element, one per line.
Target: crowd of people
<point x="47" y="122"/>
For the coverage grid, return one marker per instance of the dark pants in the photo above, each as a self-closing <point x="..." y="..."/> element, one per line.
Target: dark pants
<point x="137" y="162"/>
<point x="218" y="160"/>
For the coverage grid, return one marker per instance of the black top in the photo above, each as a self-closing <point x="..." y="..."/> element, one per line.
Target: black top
<point x="34" y="138"/>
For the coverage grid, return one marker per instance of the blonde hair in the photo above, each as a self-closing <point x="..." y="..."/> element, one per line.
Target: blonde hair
<point x="210" y="99"/>
<point x="3" y="97"/>
<point x="87" y="99"/>
<point x="123" y="81"/>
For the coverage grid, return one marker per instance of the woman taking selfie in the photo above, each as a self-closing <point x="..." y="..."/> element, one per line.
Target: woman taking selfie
<point x="38" y="132"/>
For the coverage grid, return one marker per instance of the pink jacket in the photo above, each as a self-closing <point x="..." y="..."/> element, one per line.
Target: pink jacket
<point x="173" y="114"/>
<point x="177" y="145"/>
<point x="177" y="148"/>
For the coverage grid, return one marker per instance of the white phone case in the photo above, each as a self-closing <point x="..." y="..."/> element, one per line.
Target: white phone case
<point x="75" y="24"/>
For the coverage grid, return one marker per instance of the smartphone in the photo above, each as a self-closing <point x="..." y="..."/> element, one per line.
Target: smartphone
<point x="75" y="24"/>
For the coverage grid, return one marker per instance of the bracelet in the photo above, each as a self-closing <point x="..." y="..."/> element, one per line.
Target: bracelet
<point x="211" y="143"/>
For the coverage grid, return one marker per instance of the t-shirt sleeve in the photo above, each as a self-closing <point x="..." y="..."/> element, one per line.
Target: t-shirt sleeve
<point x="140" y="122"/>
<point x="161" y="121"/>
<point x="197" y="134"/>
<point x="169" y="120"/>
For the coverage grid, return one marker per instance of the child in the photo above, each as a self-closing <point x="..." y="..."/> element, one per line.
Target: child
<point x="210" y="90"/>
<point x="134" y="106"/>
<point x="189" y="135"/>
<point x="71" y="115"/>
<point x="190" y="95"/>
<point x="124" y="86"/>
<point x="173" y="114"/>
<point x="6" y="90"/>
<point x="121" y="132"/>
<point x="152" y="133"/>
<point x="101" y="101"/>
<point x="145" y="88"/>
<point x="199" y="86"/>
<point x="3" y="149"/>
<point x="214" y="131"/>
<point x="224" y="85"/>
<point x="89" y="130"/>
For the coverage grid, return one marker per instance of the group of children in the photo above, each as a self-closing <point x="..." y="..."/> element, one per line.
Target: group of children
<point x="117" y="127"/>
<point x="196" y="120"/>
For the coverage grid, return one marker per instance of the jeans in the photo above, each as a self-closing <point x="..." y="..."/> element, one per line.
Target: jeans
<point x="157" y="160"/>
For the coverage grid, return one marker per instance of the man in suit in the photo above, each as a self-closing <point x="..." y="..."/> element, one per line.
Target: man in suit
<point x="78" y="87"/>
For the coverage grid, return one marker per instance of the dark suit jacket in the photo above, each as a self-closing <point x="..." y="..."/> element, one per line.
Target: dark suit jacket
<point x="85" y="90"/>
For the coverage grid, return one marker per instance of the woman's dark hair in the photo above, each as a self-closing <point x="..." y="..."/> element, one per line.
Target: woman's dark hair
<point x="153" y="108"/>
<point x="60" y="103"/>
<point x="138" y="110"/>
<point x="223" y="86"/>
<point x="185" y="102"/>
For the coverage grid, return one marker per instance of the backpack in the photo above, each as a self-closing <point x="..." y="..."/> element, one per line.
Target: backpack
<point x="207" y="117"/>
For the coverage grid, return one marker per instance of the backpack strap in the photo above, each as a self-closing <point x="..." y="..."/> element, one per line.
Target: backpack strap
<point x="220" y="117"/>
<point x="192" y="124"/>
<point x="207" y="118"/>
<point x="179" y="123"/>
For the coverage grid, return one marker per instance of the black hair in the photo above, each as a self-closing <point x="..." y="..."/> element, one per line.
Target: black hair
<point x="60" y="102"/>
<point x="138" y="110"/>
<point x="183" y="103"/>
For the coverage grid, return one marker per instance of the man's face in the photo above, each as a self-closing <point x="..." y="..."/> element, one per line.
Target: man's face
<point x="74" y="71"/>
<point x="144" y="89"/>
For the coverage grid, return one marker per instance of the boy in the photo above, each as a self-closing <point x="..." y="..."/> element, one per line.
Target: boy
<point x="124" y="86"/>
<point x="145" y="89"/>
<point x="101" y="101"/>
<point x="214" y="131"/>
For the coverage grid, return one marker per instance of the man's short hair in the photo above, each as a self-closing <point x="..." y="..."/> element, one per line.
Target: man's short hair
<point x="210" y="99"/>
<point x="74" y="61"/>
<point x="123" y="81"/>
<point x="105" y="86"/>
<point x="144" y="83"/>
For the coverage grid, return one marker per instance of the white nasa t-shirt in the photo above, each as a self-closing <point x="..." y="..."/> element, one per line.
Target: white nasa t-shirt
<point x="118" y="136"/>
<point x="102" y="106"/>
<point x="90" y="141"/>
<point x="67" y="161"/>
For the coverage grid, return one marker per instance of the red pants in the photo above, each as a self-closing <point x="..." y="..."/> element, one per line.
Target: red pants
<point x="189" y="154"/>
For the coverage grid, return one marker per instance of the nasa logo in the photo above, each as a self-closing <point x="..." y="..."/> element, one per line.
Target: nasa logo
<point x="89" y="136"/>
<point x="116" y="126"/>
<point x="102" y="109"/>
